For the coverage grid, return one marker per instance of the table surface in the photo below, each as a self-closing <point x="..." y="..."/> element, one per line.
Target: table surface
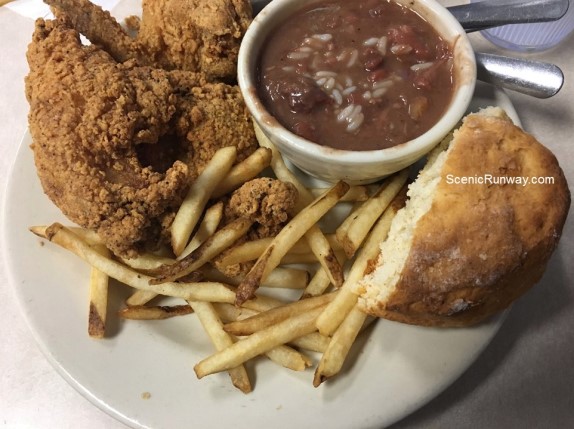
<point x="523" y="378"/>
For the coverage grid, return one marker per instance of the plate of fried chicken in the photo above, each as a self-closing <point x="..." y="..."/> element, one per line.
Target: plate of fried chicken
<point x="119" y="126"/>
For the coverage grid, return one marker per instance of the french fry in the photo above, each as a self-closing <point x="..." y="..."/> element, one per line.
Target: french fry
<point x="346" y="299"/>
<point x="201" y="291"/>
<point x="253" y="249"/>
<point x="280" y="277"/>
<point x="246" y="170"/>
<point x="140" y="297"/>
<point x="325" y="255"/>
<point x="98" y="298"/>
<point x="289" y="358"/>
<point x="206" y="229"/>
<point x="230" y="313"/>
<point x="355" y="193"/>
<point x="334" y="356"/>
<point x="259" y="343"/>
<point x="275" y="315"/>
<point x="88" y="235"/>
<point x="320" y="281"/>
<point x="214" y="328"/>
<point x="147" y="262"/>
<point x="281" y="170"/>
<point x="156" y="312"/>
<point x="314" y="236"/>
<point x="199" y="193"/>
<point x="281" y="355"/>
<point x="307" y="258"/>
<point x="314" y="341"/>
<point x="286" y="238"/>
<point x="356" y="226"/>
<point x="212" y="247"/>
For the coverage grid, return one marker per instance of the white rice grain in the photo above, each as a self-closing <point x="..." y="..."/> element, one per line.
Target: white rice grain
<point x="344" y="114"/>
<point x="322" y="37"/>
<point x="336" y="95"/>
<point x="371" y="42"/>
<point x="382" y="45"/>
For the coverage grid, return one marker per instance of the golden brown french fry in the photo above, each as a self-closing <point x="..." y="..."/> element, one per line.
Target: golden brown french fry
<point x="206" y="229"/>
<point x="289" y="358"/>
<point x="246" y="170"/>
<point x="212" y="247"/>
<point x="281" y="355"/>
<point x="258" y="343"/>
<point x="155" y="312"/>
<point x="314" y="341"/>
<point x="333" y="358"/>
<point x="88" y="235"/>
<point x="251" y="250"/>
<point x="320" y="281"/>
<point x="200" y="291"/>
<point x="275" y="315"/>
<point x="147" y="262"/>
<point x="199" y="193"/>
<point x="221" y="340"/>
<point x="281" y="171"/>
<point x="314" y="235"/>
<point x="325" y="254"/>
<point x="307" y="258"/>
<point x="140" y="297"/>
<point x="98" y="298"/>
<point x="230" y="313"/>
<point x="287" y="237"/>
<point x="346" y="299"/>
<point x="356" y="226"/>
<point x="355" y="193"/>
<point x="280" y="277"/>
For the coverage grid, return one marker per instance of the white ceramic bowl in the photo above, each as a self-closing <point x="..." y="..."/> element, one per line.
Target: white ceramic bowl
<point x="355" y="166"/>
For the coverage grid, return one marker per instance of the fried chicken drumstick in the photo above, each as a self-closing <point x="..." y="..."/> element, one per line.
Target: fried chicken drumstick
<point x="116" y="145"/>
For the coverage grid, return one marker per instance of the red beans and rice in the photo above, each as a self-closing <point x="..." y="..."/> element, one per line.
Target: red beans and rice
<point x="356" y="75"/>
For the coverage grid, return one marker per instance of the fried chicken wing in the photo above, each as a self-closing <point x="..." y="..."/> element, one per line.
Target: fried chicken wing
<point x="116" y="145"/>
<point x="194" y="35"/>
<point x="100" y="28"/>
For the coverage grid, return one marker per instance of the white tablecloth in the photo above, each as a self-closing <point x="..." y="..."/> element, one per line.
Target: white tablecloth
<point x="523" y="379"/>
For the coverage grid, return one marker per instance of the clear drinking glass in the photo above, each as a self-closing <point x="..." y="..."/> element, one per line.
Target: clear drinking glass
<point x="531" y="37"/>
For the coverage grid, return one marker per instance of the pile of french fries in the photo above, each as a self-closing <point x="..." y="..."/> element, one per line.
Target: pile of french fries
<point x="241" y="320"/>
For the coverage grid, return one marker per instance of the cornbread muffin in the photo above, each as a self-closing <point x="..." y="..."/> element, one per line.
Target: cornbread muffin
<point x="468" y="243"/>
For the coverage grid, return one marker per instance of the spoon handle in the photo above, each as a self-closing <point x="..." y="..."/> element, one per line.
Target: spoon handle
<point x="487" y="14"/>
<point x="535" y="78"/>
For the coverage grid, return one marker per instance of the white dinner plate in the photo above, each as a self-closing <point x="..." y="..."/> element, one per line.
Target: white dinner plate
<point x="392" y="370"/>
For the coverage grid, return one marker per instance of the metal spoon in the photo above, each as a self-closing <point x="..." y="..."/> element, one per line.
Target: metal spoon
<point x="488" y="14"/>
<point x="535" y="78"/>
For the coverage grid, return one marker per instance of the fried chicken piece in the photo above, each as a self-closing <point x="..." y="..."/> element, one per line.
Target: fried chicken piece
<point x="111" y="140"/>
<point x="193" y="35"/>
<point x="196" y="35"/>
<point x="100" y="27"/>
<point x="269" y="203"/>
<point x="210" y="117"/>
<point x="87" y="114"/>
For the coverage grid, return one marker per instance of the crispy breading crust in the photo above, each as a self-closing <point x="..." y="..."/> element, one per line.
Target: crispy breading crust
<point x="117" y="145"/>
